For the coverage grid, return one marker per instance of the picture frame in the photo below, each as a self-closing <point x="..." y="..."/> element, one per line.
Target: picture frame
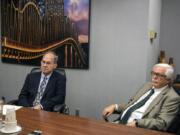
<point x="30" y="28"/>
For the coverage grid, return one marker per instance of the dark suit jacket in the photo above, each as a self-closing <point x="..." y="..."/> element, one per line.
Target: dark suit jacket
<point x="160" y="112"/>
<point x="54" y="93"/>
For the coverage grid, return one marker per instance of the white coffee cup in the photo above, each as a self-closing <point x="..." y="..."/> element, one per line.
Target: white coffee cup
<point x="10" y="126"/>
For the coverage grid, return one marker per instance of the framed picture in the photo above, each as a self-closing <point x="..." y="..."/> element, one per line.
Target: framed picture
<point x="30" y="28"/>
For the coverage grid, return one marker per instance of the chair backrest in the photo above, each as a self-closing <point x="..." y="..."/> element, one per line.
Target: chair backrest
<point x="174" y="127"/>
<point x="59" y="70"/>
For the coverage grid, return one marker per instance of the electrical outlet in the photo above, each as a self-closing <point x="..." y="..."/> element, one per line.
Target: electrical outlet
<point x="77" y="112"/>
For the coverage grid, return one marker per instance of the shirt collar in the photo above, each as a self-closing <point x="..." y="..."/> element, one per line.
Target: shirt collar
<point x="47" y="76"/>
<point x="160" y="89"/>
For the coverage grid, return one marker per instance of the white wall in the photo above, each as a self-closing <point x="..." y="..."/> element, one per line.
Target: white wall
<point x="119" y="59"/>
<point x="170" y="31"/>
<point x="117" y="56"/>
<point x="153" y="24"/>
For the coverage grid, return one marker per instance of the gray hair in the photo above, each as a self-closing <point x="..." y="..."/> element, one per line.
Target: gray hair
<point x="54" y="54"/>
<point x="169" y="70"/>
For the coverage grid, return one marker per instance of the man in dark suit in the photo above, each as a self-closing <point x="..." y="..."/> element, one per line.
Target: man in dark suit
<point x="42" y="90"/>
<point x="154" y="106"/>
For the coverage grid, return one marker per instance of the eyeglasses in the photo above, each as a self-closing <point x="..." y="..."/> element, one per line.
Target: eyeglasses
<point x="47" y="63"/>
<point x="158" y="74"/>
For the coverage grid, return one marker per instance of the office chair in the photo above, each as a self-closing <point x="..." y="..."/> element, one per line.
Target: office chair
<point x="174" y="127"/>
<point x="114" y="117"/>
<point x="59" y="70"/>
<point x="60" y="108"/>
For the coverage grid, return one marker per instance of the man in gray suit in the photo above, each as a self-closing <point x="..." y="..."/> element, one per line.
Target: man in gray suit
<point x="160" y="107"/>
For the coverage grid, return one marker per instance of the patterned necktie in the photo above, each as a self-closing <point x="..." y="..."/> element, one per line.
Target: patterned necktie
<point x="128" y="113"/>
<point x="40" y="91"/>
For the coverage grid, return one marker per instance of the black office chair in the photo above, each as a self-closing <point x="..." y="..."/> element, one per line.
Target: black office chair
<point x="59" y="108"/>
<point x="59" y="70"/>
<point x="113" y="117"/>
<point x="174" y="127"/>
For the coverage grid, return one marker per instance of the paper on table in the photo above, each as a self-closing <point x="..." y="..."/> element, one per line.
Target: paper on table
<point x="5" y="107"/>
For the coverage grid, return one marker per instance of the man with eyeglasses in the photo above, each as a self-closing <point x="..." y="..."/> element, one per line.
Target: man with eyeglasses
<point x="43" y="90"/>
<point x="154" y="106"/>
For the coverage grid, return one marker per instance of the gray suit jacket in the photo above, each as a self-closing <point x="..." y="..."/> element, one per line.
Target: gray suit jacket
<point x="160" y="112"/>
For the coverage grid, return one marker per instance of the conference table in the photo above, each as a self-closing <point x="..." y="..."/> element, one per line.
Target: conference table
<point x="51" y="123"/>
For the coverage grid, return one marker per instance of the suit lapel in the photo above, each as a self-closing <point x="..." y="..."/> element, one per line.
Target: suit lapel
<point x="156" y="101"/>
<point x="37" y="81"/>
<point x="140" y="93"/>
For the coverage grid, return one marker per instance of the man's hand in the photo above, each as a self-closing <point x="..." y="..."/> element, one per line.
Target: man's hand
<point x="131" y="124"/>
<point x="38" y="107"/>
<point x="108" y="110"/>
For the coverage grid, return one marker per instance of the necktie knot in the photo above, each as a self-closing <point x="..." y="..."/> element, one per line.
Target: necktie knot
<point x="45" y="78"/>
<point x="152" y="91"/>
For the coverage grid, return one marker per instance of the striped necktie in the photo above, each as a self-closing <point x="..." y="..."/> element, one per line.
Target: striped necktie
<point x="128" y="113"/>
<point x="40" y="91"/>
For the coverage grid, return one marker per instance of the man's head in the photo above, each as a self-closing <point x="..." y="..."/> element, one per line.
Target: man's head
<point x="49" y="62"/>
<point x="161" y="75"/>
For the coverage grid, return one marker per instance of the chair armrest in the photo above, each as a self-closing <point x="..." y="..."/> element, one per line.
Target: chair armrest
<point x="174" y="127"/>
<point x="112" y="118"/>
<point x="61" y="108"/>
<point x="13" y="102"/>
